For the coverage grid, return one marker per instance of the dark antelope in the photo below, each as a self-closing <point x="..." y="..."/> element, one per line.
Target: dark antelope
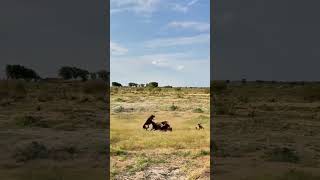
<point x="162" y="126"/>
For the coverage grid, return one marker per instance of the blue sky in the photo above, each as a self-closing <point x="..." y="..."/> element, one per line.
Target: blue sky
<point x="167" y="41"/>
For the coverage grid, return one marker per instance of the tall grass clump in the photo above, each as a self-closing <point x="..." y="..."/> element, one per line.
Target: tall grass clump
<point x="173" y="107"/>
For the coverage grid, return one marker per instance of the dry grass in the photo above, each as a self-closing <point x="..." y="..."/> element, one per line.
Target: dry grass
<point x="52" y="130"/>
<point x="267" y="129"/>
<point x="183" y="153"/>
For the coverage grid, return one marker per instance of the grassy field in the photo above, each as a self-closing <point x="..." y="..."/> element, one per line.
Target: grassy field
<point x="53" y="130"/>
<point x="266" y="131"/>
<point x="183" y="153"/>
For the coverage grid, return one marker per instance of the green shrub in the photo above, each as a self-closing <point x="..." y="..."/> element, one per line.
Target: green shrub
<point x="118" y="109"/>
<point x="173" y="107"/>
<point x="152" y="84"/>
<point x="118" y="152"/>
<point x="119" y="100"/>
<point x="116" y="84"/>
<point x="198" y="110"/>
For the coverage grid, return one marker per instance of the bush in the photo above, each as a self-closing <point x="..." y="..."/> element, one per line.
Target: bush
<point x="119" y="100"/>
<point x="198" y="110"/>
<point x="131" y="84"/>
<point x="243" y="81"/>
<point x="116" y="84"/>
<point x="152" y="84"/>
<point x="67" y="72"/>
<point x="118" y="152"/>
<point x="173" y="107"/>
<point x="21" y="72"/>
<point x="118" y="109"/>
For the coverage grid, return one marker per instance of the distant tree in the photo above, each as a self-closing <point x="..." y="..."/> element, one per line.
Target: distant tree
<point x="21" y="72"/>
<point x="141" y="85"/>
<point x="167" y="86"/>
<point x="93" y="76"/>
<point x="227" y="81"/>
<point x="244" y="81"/>
<point x="131" y="84"/>
<point x="152" y="84"/>
<point x="83" y="74"/>
<point x="79" y="73"/>
<point x="116" y="84"/>
<point x="103" y="74"/>
<point x="66" y="72"/>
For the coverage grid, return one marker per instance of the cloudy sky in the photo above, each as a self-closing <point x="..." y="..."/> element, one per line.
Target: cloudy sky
<point x="167" y="41"/>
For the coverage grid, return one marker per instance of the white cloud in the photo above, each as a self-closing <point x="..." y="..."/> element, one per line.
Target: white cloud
<point x="160" y="63"/>
<point x="178" y="41"/>
<point x="184" y="8"/>
<point x="180" y="67"/>
<point x="117" y="49"/>
<point x="180" y="8"/>
<point x="192" y="2"/>
<point x="137" y="6"/>
<point x="198" y="26"/>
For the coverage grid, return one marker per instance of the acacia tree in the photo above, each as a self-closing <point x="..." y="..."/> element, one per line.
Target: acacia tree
<point x="93" y="76"/>
<point x="20" y="72"/>
<point x="131" y="84"/>
<point x="152" y="84"/>
<point x="67" y="73"/>
<point x="116" y="84"/>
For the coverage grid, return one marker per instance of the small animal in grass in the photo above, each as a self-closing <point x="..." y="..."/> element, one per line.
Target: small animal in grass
<point x="199" y="126"/>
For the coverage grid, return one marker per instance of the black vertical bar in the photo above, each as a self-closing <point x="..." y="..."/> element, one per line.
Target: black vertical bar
<point x="107" y="59"/>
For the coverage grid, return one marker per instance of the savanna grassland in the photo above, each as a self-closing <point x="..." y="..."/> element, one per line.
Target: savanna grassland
<point x="53" y="130"/>
<point x="266" y="131"/>
<point x="136" y="153"/>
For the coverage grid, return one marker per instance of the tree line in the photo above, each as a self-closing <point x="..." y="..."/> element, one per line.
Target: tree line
<point x="131" y="84"/>
<point x="20" y="72"/>
<point x="65" y="72"/>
